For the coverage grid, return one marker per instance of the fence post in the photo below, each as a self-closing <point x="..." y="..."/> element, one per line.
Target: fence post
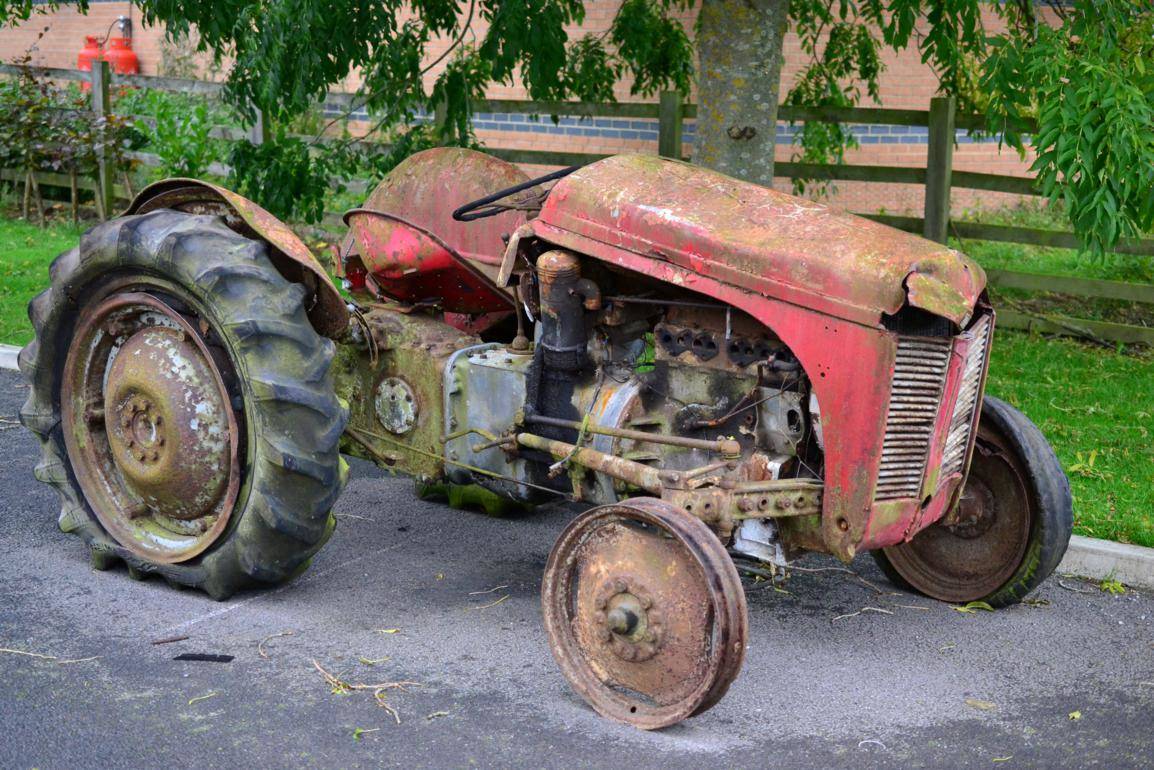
<point x="939" y="168"/>
<point x="101" y="109"/>
<point x="258" y="134"/>
<point x="669" y="119"/>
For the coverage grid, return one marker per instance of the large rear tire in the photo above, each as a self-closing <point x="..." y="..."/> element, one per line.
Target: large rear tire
<point x="184" y="404"/>
<point x="1015" y="521"/>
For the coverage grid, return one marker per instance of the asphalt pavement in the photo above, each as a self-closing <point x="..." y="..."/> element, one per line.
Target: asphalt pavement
<point x="840" y="671"/>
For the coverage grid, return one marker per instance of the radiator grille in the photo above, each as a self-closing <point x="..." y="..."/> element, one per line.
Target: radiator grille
<point x="963" y="417"/>
<point x="919" y="376"/>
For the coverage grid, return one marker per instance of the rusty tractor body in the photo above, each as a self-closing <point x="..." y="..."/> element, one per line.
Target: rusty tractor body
<point x="726" y="374"/>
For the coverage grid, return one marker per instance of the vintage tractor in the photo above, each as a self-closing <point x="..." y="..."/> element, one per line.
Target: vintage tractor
<point x="719" y="370"/>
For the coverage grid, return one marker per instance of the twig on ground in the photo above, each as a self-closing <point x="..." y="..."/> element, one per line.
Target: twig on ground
<point x="379" y="690"/>
<point x="490" y="604"/>
<point x="864" y="609"/>
<point x="168" y="640"/>
<point x="437" y="714"/>
<point x="201" y="697"/>
<point x="1076" y="590"/>
<point x="352" y="516"/>
<point x="39" y="656"/>
<point x="373" y="661"/>
<point x="492" y="590"/>
<point x="261" y="643"/>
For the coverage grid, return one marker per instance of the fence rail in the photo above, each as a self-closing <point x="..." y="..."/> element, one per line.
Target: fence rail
<point x="938" y="178"/>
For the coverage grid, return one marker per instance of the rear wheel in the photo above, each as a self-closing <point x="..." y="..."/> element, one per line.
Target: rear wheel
<point x="184" y="404"/>
<point x="1013" y="526"/>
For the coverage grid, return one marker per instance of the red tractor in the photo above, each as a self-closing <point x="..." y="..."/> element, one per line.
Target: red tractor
<point x="720" y="371"/>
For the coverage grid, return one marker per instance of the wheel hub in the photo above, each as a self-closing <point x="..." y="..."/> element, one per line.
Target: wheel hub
<point x="149" y="426"/>
<point x="631" y="624"/>
<point x="169" y="432"/>
<point x="977" y="510"/>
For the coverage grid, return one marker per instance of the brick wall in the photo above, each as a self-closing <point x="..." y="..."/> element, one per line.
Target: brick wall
<point x="906" y="83"/>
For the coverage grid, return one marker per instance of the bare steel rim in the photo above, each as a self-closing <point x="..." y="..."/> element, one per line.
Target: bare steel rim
<point x="149" y="423"/>
<point x="645" y="612"/>
<point x="974" y="557"/>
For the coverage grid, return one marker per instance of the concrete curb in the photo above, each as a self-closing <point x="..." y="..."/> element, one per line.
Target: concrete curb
<point x="1086" y="557"/>
<point x="8" y="355"/>
<point x="1099" y="559"/>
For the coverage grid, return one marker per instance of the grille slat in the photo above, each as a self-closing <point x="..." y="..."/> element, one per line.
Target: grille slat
<point x="958" y="440"/>
<point x="919" y="375"/>
<point x="920" y="371"/>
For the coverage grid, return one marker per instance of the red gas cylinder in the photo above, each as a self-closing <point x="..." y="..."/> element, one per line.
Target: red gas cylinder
<point x="89" y="53"/>
<point x="121" y="57"/>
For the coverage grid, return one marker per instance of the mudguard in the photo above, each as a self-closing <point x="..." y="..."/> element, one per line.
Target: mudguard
<point x="292" y="258"/>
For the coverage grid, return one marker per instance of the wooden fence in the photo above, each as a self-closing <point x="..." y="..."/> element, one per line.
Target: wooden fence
<point x="938" y="178"/>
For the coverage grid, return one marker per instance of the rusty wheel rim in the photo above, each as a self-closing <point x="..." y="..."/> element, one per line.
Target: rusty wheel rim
<point x="975" y="556"/>
<point x="645" y="612"/>
<point x="149" y="426"/>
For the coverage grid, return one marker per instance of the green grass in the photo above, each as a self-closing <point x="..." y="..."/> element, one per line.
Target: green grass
<point x="27" y="252"/>
<point x="1040" y="259"/>
<point x="1094" y="405"/>
<point x="1051" y="261"/>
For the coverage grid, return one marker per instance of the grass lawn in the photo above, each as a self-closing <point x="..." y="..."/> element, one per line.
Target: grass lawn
<point x="1097" y="409"/>
<point x="27" y="251"/>
<point x="1095" y="405"/>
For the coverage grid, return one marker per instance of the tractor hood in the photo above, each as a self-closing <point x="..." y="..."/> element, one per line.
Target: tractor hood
<point x="761" y="240"/>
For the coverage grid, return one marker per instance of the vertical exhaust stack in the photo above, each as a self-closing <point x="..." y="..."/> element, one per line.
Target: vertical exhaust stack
<point x="565" y="296"/>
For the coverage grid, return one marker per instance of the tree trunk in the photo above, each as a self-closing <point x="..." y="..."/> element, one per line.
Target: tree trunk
<point x="739" y="45"/>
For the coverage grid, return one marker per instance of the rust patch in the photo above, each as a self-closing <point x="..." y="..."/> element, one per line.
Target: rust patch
<point x="757" y="239"/>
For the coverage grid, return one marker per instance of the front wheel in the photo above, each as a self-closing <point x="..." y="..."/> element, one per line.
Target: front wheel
<point x="1013" y="526"/>
<point x="645" y="612"/>
<point x="184" y="404"/>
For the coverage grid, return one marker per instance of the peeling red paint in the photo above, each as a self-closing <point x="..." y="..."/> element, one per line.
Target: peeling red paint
<point x="756" y="238"/>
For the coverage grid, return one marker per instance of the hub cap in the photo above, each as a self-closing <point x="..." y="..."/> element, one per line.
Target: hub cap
<point x="149" y="427"/>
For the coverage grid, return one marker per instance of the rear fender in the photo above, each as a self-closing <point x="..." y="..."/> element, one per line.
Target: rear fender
<point x="325" y="306"/>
